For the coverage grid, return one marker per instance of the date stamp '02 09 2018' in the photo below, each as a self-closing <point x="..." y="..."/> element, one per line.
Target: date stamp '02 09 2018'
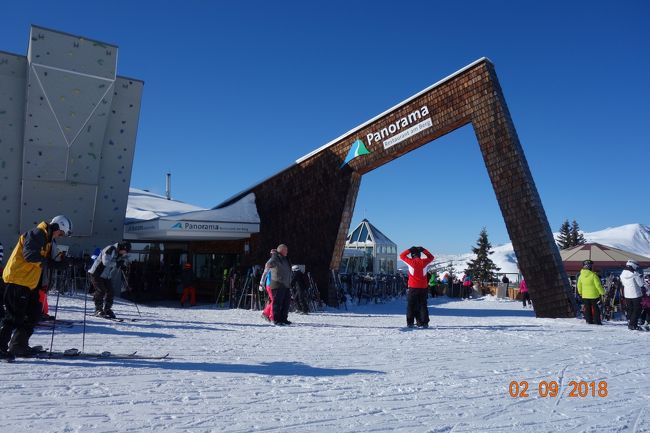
<point x="579" y="389"/>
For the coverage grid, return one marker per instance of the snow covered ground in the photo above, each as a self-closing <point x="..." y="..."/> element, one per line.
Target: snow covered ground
<point x="337" y="371"/>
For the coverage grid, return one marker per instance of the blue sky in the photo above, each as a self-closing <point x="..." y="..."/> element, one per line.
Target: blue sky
<point x="236" y="91"/>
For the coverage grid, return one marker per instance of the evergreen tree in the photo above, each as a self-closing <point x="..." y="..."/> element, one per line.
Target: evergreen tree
<point x="576" y="237"/>
<point x="564" y="240"/>
<point x="482" y="268"/>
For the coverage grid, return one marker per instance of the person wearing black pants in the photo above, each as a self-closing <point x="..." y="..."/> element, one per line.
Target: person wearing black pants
<point x="592" y="311"/>
<point x="279" y="267"/>
<point x="111" y="259"/>
<point x="590" y="289"/>
<point x="299" y="289"/>
<point x="416" y="308"/>
<point x="632" y="284"/>
<point x="22" y="276"/>
<point x="23" y="313"/>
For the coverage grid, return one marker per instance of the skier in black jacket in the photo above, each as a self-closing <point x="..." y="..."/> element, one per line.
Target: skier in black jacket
<point x="299" y="289"/>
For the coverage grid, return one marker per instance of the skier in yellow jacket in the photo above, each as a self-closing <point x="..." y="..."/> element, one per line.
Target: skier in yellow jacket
<point x="590" y="290"/>
<point x="21" y="276"/>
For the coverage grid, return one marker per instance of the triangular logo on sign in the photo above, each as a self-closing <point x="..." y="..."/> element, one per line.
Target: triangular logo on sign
<point x="358" y="148"/>
<point x="177" y="226"/>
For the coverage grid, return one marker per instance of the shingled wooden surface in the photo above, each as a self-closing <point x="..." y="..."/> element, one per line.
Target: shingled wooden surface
<point x="309" y="206"/>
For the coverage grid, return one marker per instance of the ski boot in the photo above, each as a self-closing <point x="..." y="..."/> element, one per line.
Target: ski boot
<point x="99" y="313"/>
<point x="6" y="356"/>
<point x="24" y="351"/>
<point x="108" y="313"/>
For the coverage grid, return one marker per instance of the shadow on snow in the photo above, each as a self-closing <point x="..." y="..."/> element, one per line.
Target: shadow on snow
<point x="280" y="368"/>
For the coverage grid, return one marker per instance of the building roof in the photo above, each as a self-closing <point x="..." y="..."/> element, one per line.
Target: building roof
<point x="143" y="205"/>
<point x="152" y="217"/>
<point x="603" y="256"/>
<point x="366" y="234"/>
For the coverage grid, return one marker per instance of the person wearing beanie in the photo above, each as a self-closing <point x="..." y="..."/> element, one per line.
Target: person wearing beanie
<point x="299" y="289"/>
<point x="101" y="273"/>
<point x="590" y="290"/>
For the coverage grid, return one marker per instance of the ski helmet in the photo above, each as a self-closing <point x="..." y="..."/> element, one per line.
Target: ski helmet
<point x="63" y="223"/>
<point x="587" y="264"/>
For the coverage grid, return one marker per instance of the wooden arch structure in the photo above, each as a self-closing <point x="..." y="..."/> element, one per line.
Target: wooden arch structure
<point x="309" y="205"/>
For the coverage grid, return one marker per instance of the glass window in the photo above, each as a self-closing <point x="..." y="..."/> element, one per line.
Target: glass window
<point x="364" y="234"/>
<point x="355" y="235"/>
<point x="211" y="266"/>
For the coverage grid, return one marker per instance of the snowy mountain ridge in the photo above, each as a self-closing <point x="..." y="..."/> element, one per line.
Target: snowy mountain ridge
<point x="634" y="238"/>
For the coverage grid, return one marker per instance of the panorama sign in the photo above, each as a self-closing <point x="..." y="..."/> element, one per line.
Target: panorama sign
<point x="403" y="128"/>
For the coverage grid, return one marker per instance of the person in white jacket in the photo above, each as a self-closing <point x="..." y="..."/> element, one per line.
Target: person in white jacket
<point x="101" y="273"/>
<point x="632" y="283"/>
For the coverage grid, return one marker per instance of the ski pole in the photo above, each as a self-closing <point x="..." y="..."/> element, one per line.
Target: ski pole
<point x="83" y="337"/>
<point x="56" y="309"/>
<point x="126" y="283"/>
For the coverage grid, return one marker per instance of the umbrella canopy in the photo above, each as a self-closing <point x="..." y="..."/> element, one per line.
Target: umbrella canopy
<point x="604" y="257"/>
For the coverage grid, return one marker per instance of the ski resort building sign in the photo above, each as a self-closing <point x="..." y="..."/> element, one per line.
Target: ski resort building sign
<point x="403" y="128"/>
<point x="187" y="230"/>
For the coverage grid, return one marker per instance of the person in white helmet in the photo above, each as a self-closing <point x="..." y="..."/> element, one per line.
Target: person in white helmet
<point x="632" y="283"/>
<point x="22" y="275"/>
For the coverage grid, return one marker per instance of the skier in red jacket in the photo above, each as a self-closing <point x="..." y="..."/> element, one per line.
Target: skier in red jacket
<point x="416" y="308"/>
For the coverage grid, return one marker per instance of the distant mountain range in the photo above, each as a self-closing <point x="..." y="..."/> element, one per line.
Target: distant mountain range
<point x="634" y="238"/>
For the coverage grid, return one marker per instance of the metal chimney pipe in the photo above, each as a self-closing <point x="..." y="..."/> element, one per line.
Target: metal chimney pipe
<point x="168" y="187"/>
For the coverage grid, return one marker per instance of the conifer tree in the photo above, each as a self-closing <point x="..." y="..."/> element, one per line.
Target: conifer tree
<point x="564" y="240"/>
<point x="576" y="237"/>
<point x="482" y="268"/>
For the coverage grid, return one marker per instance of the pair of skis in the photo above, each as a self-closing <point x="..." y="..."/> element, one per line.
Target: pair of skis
<point x="49" y="324"/>
<point x="42" y="353"/>
<point x="113" y="319"/>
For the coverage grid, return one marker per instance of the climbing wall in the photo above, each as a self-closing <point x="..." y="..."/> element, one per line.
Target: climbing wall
<point x="13" y="74"/>
<point x="117" y="157"/>
<point x="78" y="124"/>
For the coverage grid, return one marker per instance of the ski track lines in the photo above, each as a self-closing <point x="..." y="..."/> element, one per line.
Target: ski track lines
<point x="338" y="371"/>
